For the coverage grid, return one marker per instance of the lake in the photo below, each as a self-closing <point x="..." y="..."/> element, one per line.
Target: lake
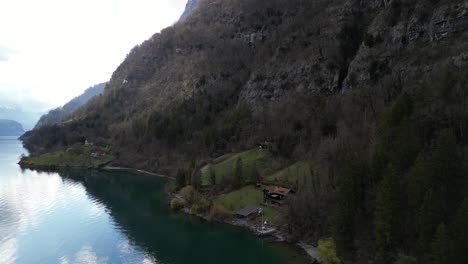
<point x="110" y="217"/>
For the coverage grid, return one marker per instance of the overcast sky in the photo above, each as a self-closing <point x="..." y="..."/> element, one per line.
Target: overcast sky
<point x="52" y="50"/>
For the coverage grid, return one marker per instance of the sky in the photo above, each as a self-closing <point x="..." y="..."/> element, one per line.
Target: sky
<point x="52" y="50"/>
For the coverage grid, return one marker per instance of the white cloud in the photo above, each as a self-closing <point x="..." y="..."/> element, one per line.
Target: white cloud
<point x="8" y="251"/>
<point x="4" y="53"/>
<point x="125" y="247"/>
<point x="62" y="47"/>
<point x="149" y="260"/>
<point x="86" y="255"/>
<point x="24" y="199"/>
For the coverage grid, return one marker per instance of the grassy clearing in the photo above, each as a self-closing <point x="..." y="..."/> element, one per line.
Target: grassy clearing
<point x="224" y="166"/>
<point x="248" y="195"/>
<point x="238" y="199"/>
<point x="223" y="157"/>
<point x="76" y="156"/>
<point x="296" y="173"/>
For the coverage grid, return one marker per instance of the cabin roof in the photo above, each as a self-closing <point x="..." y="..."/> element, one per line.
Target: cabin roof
<point x="279" y="190"/>
<point x="247" y="211"/>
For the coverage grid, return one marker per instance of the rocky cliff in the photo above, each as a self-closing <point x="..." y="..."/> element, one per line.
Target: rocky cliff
<point x="263" y="54"/>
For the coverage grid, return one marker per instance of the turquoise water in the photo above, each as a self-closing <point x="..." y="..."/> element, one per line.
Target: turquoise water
<point x="110" y="217"/>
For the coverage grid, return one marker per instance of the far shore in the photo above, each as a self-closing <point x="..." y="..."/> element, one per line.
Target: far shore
<point x="110" y="168"/>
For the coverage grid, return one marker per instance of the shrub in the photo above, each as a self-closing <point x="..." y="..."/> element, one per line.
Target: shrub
<point x="194" y="209"/>
<point x="203" y="205"/>
<point x="177" y="204"/>
<point x="326" y="251"/>
<point x="218" y="212"/>
<point x="404" y="259"/>
<point x="188" y="193"/>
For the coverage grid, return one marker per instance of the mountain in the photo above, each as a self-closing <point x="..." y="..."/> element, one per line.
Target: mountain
<point x="57" y="115"/>
<point x="369" y="95"/>
<point x="14" y="112"/>
<point x="189" y="7"/>
<point x="10" y="128"/>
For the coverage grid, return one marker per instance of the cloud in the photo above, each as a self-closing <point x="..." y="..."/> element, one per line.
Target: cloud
<point x="86" y="255"/>
<point x="53" y="50"/>
<point x="5" y="53"/>
<point x="8" y="250"/>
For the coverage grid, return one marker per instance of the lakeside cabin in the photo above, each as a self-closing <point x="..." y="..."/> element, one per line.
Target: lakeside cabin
<point x="265" y="146"/>
<point x="247" y="212"/>
<point x="276" y="193"/>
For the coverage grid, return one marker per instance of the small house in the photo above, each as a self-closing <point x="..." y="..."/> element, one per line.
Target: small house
<point x="247" y="212"/>
<point x="276" y="192"/>
<point x="265" y="146"/>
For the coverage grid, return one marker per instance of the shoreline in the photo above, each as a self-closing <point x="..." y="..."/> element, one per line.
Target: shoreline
<point x="105" y="167"/>
<point x="278" y="236"/>
<point x="116" y="168"/>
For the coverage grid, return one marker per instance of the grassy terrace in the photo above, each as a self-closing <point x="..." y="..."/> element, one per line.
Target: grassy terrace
<point x="248" y="195"/>
<point x="75" y="156"/>
<point x="270" y="169"/>
<point x="224" y="166"/>
<point x="296" y="173"/>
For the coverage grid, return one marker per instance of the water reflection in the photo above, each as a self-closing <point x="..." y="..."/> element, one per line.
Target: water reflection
<point x="110" y="217"/>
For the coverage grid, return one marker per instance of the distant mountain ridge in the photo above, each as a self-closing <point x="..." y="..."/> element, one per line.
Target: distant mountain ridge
<point x="58" y="114"/>
<point x="28" y="118"/>
<point x="10" y="128"/>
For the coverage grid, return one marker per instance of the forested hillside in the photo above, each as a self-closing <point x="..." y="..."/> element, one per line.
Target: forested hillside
<point x="372" y="94"/>
<point x="57" y="115"/>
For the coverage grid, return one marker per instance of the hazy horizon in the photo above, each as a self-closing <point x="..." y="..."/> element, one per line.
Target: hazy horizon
<point x="52" y="51"/>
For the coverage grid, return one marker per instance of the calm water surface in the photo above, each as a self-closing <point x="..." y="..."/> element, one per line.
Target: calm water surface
<point x="110" y="217"/>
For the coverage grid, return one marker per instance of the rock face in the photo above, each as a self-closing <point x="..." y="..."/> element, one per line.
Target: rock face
<point x="10" y="128"/>
<point x="191" y="4"/>
<point x="261" y="53"/>
<point x="57" y="115"/>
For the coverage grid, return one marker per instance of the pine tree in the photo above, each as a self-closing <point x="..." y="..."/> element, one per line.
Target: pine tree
<point x="255" y="176"/>
<point x="196" y="180"/>
<point x="440" y="246"/>
<point x="181" y="180"/>
<point x="459" y="230"/>
<point x="238" y="174"/>
<point x="387" y="214"/>
<point x="191" y="172"/>
<point x="430" y="215"/>
<point x="344" y="225"/>
<point x="212" y="176"/>
<point x="404" y="259"/>
<point x="351" y="199"/>
<point x="447" y="169"/>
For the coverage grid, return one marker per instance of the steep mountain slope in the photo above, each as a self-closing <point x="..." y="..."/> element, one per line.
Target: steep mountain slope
<point x="371" y="93"/>
<point x="191" y="4"/>
<point x="59" y="114"/>
<point x="10" y="128"/>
